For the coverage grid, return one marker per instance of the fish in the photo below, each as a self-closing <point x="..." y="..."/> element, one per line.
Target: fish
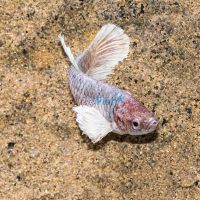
<point x="102" y="108"/>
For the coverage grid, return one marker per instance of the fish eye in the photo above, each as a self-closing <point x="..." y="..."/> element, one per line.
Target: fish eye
<point x="135" y="124"/>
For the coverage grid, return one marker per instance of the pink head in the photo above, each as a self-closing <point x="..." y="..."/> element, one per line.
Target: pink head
<point x="133" y="118"/>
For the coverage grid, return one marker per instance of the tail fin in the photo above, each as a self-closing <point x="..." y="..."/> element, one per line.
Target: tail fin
<point x="110" y="46"/>
<point x="68" y="51"/>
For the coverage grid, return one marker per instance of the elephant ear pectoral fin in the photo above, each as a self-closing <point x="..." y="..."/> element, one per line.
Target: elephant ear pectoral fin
<point x="92" y="122"/>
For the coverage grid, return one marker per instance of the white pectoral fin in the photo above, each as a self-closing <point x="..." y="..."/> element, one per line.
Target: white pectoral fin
<point x="92" y="123"/>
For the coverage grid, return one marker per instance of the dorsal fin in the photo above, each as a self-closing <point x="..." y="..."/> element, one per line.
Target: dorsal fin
<point x="68" y="51"/>
<point x="110" y="46"/>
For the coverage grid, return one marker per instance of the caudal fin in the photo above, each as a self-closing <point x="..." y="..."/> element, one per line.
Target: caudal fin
<point x="110" y="46"/>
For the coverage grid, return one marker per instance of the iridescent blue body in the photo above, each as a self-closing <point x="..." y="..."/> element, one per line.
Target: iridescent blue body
<point x="86" y="90"/>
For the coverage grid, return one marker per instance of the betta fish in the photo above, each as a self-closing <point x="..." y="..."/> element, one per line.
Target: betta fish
<point x="102" y="108"/>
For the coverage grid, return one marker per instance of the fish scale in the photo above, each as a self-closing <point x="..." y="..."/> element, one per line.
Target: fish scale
<point x="85" y="90"/>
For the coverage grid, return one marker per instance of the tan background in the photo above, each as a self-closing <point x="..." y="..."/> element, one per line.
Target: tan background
<point x="43" y="154"/>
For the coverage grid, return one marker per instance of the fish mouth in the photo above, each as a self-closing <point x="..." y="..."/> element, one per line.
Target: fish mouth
<point x="153" y="122"/>
<point x="150" y="127"/>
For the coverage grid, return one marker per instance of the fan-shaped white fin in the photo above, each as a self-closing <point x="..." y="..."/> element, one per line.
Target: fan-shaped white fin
<point x="110" y="46"/>
<point x="92" y="123"/>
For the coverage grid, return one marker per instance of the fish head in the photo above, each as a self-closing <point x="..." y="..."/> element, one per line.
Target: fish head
<point x="132" y="117"/>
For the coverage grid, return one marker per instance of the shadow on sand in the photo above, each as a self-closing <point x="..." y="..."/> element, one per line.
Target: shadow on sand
<point x="141" y="139"/>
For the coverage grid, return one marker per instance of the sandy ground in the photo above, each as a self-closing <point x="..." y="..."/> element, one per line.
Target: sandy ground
<point x="43" y="154"/>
